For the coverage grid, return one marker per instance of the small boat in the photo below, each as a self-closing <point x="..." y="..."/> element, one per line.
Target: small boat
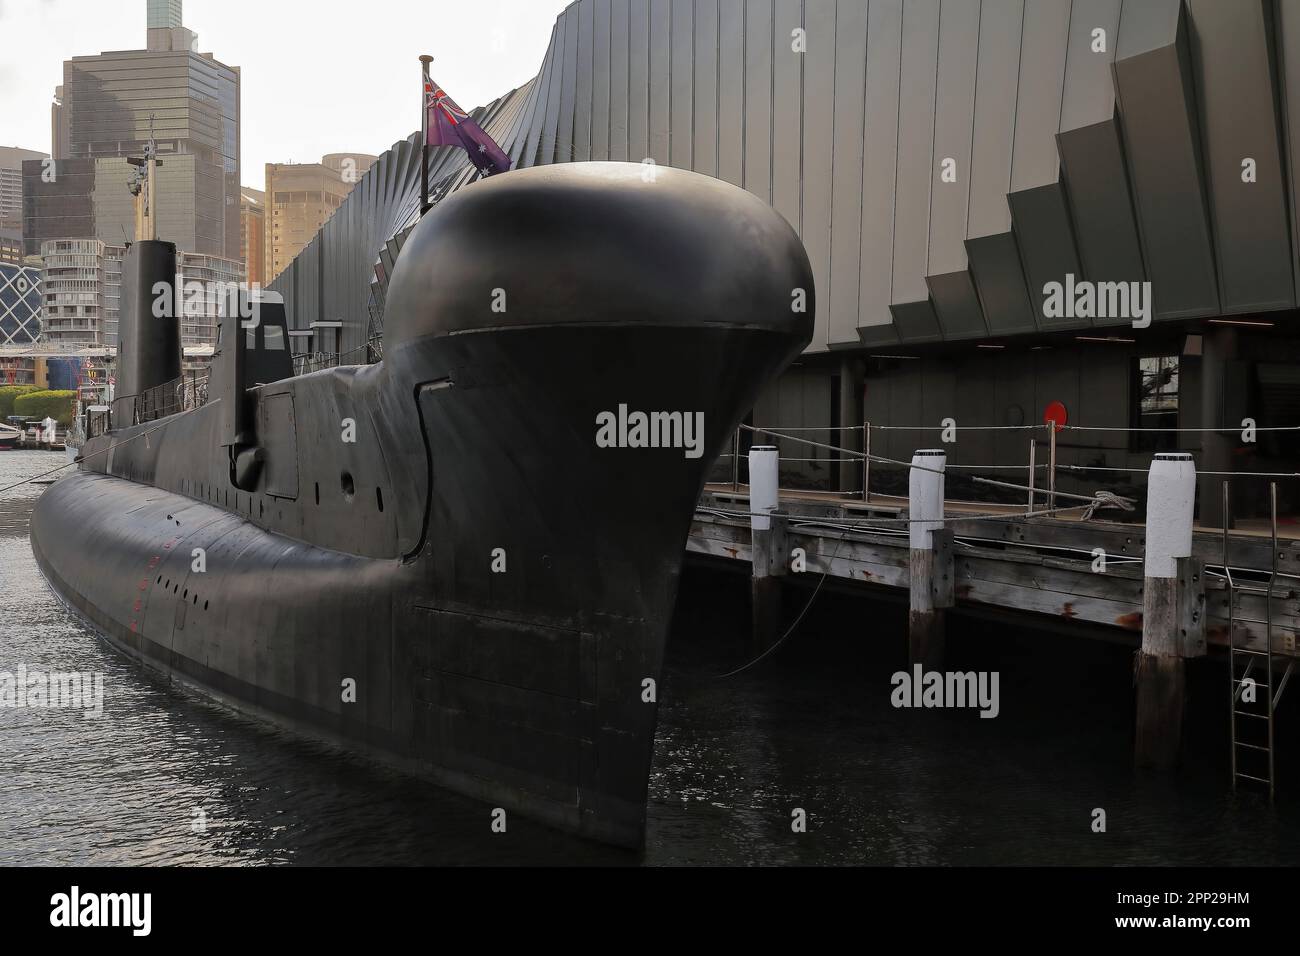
<point x="9" y="436"/>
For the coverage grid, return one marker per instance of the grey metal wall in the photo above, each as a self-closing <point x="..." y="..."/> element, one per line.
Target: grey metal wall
<point x="1111" y="161"/>
<point x="331" y="279"/>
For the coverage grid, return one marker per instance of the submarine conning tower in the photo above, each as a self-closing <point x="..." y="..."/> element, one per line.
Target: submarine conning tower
<point x="149" y="330"/>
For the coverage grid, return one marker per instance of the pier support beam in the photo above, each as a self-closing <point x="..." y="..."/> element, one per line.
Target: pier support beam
<point x="925" y="619"/>
<point x="768" y="545"/>
<point x="851" y="402"/>
<point x="1167" y="626"/>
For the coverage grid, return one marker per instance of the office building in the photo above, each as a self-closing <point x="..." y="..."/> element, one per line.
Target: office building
<point x="107" y="108"/>
<point x="252" y="234"/>
<point x="11" y="184"/>
<point x="300" y="199"/>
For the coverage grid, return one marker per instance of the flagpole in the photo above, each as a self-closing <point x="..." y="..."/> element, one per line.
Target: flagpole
<point x="425" y="60"/>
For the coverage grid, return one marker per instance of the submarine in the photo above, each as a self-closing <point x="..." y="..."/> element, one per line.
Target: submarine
<point x="461" y="560"/>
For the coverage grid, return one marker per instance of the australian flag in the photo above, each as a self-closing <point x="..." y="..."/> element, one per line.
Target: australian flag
<point x="449" y="125"/>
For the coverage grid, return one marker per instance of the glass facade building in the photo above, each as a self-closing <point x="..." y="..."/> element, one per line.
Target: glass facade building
<point x="20" y="304"/>
<point x="192" y="103"/>
<point x="110" y="105"/>
<point x="164" y="14"/>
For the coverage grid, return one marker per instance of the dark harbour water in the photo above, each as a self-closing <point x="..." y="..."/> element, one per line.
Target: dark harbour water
<point x="812" y="728"/>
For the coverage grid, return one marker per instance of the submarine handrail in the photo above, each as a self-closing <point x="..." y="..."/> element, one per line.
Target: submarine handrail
<point x="305" y="362"/>
<point x="186" y="392"/>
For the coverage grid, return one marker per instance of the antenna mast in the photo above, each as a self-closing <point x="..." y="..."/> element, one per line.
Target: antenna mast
<point x="143" y="186"/>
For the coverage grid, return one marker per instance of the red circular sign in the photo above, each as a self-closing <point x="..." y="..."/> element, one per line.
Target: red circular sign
<point x="1055" y="414"/>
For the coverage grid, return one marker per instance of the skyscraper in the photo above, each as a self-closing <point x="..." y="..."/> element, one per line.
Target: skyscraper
<point x="110" y="104"/>
<point x="11" y="184"/>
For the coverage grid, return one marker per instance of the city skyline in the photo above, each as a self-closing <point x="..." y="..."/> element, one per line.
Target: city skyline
<point x="496" y="48"/>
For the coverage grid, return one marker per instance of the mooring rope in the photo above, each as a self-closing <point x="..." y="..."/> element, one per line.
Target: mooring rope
<point x="791" y="629"/>
<point x="103" y="451"/>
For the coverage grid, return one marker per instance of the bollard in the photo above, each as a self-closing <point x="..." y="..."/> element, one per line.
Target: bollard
<point x="767" y="544"/>
<point x="925" y="624"/>
<point x="1161" y="666"/>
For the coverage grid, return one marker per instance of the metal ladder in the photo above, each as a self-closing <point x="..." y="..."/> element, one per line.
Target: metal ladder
<point x="1262" y="679"/>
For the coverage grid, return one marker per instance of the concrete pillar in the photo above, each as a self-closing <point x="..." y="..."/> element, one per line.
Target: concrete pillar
<point x="767" y="544"/>
<point x="1218" y="347"/>
<point x="851" y="377"/>
<point x="925" y="622"/>
<point x="1162" y="665"/>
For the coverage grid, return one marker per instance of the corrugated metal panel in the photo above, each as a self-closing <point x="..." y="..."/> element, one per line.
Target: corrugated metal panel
<point x="1046" y="242"/>
<point x="1231" y="56"/>
<point x="706" y="88"/>
<point x="600" y="81"/>
<point x="846" y="141"/>
<point x="681" y="124"/>
<point x="660" y="78"/>
<point x="915" y="170"/>
<point x="638" y="83"/>
<point x="543" y="84"/>
<point x="953" y="126"/>
<point x="996" y="267"/>
<point x="582" y="97"/>
<point x="1158" y="117"/>
<point x="952" y="290"/>
<point x="879" y="165"/>
<point x="787" y="99"/>
<point x="846" y="183"/>
<point x="565" y="147"/>
<point x="731" y="91"/>
<point x="759" y="40"/>
<point x="996" y="85"/>
<point x="619" y="47"/>
<point x="819" y="156"/>
<point x="1089" y="94"/>
<point x="1038" y="101"/>
<point x="1105" y="229"/>
<point x="547" y="151"/>
<point x="957" y="305"/>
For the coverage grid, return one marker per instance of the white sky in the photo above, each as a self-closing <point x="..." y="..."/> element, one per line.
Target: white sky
<point x="317" y="76"/>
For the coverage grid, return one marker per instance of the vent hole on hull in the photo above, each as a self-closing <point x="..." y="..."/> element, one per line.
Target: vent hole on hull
<point x="186" y="594"/>
<point x="318" y="492"/>
<point x="196" y="600"/>
<point x="205" y="605"/>
<point x="345" y="481"/>
<point x="379" y="498"/>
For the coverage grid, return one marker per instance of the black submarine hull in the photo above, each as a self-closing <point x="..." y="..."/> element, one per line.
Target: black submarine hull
<point x="442" y="564"/>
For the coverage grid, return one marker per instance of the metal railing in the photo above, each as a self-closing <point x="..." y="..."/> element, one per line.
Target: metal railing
<point x="305" y="362"/>
<point x="188" y="391"/>
<point x="1041" y="476"/>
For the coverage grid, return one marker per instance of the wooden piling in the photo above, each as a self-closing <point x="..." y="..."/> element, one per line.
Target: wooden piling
<point x="1169" y="632"/>
<point x="925" y="618"/>
<point x="768" y="547"/>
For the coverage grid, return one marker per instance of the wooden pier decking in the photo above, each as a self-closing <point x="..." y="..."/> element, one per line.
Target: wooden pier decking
<point x="1036" y="566"/>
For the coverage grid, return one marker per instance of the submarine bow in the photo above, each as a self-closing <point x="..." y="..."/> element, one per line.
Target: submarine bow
<point x="484" y="531"/>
